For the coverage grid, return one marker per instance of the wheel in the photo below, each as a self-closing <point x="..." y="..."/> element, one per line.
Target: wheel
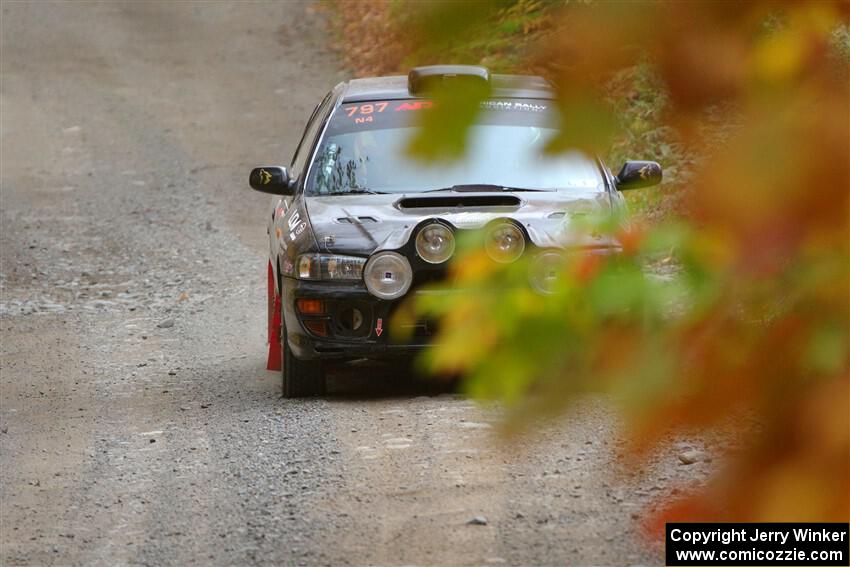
<point x="300" y="378"/>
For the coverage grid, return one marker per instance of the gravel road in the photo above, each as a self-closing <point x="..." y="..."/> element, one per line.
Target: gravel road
<point x="139" y="425"/>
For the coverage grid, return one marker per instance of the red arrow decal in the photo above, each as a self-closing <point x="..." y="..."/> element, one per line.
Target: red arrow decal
<point x="379" y="328"/>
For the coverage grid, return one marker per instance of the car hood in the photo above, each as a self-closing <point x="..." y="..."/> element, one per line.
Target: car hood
<point x="364" y="224"/>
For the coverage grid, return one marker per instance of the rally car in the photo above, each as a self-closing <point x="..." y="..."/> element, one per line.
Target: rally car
<point x="357" y="224"/>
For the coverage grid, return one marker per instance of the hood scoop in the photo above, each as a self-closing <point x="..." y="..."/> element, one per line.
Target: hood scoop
<point x="458" y="201"/>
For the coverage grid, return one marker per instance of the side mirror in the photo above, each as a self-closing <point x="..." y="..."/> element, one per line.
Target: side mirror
<point x="638" y="174"/>
<point x="271" y="179"/>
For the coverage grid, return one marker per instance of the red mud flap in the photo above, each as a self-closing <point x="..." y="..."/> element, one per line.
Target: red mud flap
<point x="274" y="325"/>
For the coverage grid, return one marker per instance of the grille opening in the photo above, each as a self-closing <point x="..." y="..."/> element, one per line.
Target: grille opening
<point x="352" y="320"/>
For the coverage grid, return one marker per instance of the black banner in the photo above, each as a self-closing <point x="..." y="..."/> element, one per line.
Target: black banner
<point x="757" y="544"/>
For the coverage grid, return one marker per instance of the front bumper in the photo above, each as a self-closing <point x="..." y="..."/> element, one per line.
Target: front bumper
<point x="343" y="338"/>
<point x="373" y="339"/>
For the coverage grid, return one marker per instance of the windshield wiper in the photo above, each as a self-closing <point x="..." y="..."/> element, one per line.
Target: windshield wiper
<point x="359" y="191"/>
<point x="481" y="187"/>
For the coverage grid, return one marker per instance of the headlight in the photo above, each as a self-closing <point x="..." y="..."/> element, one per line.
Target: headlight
<point x="329" y="267"/>
<point x="504" y="242"/>
<point x="435" y="243"/>
<point x="545" y="270"/>
<point x="388" y="275"/>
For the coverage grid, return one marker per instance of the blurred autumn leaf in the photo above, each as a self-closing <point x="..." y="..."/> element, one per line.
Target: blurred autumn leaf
<point x="461" y="104"/>
<point x="749" y="105"/>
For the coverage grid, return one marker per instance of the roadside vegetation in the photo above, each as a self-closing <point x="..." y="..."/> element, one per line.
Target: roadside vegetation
<point x="746" y="108"/>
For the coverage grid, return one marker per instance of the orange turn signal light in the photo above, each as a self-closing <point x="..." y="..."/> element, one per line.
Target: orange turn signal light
<point x="310" y="306"/>
<point x="316" y="327"/>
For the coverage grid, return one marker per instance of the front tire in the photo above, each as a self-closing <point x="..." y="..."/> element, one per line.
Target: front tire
<point x="300" y="378"/>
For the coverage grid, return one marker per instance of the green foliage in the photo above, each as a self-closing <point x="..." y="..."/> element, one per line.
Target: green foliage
<point x="442" y="135"/>
<point x="587" y="123"/>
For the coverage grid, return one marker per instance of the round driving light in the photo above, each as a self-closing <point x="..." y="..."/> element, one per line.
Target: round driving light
<point x="435" y="243"/>
<point x="388" y="275"/>
<point x="504" y="242"/>
<point x="545" y="270"/>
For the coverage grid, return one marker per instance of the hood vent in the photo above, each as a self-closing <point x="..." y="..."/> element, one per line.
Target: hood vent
<point x="350" y="220"/>
<point x="456" y="201"/>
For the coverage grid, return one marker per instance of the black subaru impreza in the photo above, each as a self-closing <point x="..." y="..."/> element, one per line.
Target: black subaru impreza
<point x="357" y="224"/>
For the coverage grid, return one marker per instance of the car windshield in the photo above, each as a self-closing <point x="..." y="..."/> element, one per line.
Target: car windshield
<point x="364" y="151"/>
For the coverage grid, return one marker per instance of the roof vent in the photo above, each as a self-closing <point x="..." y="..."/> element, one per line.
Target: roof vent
<point x="421" y="79"/>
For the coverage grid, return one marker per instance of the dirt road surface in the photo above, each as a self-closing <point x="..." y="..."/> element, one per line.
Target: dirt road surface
<point x="139" y="425"/>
